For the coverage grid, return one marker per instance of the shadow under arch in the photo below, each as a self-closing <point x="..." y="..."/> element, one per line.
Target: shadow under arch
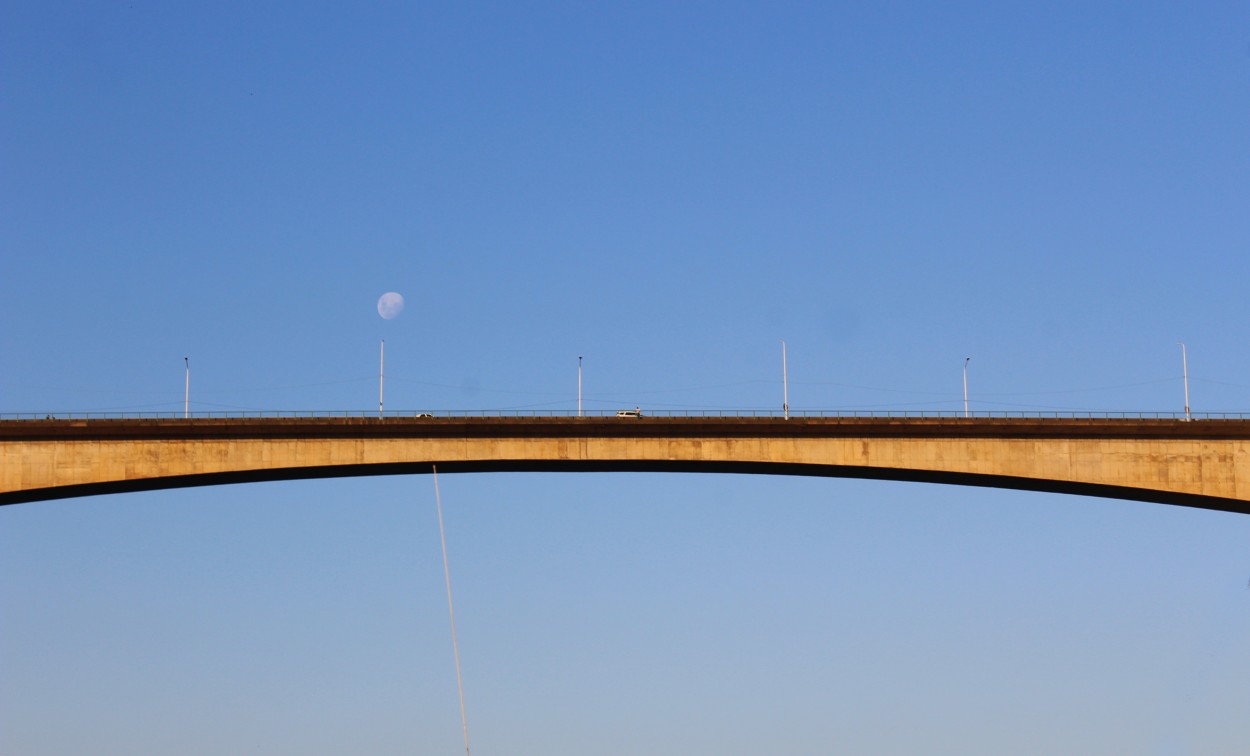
<point x="1152" y="496"/>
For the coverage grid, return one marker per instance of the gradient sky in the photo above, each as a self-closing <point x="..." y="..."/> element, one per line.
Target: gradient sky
<point x="1060" y="191"/>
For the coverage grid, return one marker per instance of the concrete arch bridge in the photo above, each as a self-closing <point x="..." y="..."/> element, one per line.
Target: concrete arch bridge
<point x="1200" y="463"/>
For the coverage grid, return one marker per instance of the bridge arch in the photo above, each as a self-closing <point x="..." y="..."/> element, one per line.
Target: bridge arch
<point x="1204" y="464"/>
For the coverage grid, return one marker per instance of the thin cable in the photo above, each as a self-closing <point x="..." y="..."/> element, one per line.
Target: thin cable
<point x="451" y="609"/>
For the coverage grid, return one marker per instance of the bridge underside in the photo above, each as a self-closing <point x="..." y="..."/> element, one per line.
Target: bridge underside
<point x="1200" y="464"/>
<point x="748" y="468"/>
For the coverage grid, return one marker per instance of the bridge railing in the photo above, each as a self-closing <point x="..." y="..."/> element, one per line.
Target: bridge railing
<point x="710" y="413"/>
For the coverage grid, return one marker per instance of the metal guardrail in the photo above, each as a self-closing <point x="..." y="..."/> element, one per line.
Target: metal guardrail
<point x="731" y="413"/>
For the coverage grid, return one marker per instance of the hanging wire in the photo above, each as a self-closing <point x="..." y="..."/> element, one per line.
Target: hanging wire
<point x="451" y="609"/>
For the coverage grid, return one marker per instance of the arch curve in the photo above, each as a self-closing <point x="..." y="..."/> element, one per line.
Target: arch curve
<point x="1203" y="464"/>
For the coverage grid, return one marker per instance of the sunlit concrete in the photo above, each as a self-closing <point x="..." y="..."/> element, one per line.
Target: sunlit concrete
<point x="1203" y="463"/>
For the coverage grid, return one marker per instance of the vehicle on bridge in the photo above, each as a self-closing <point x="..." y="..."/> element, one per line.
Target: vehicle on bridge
<point x="635" y="412"/>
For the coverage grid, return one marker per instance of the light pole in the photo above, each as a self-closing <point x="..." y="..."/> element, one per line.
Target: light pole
<point x="381" y="374"/>
<point x="186" y="396"/>
<point x="579" y="385"/>
<point x="966" y="360"/>
<point x="785" y="384"/>
<point x="1185" y="376"/>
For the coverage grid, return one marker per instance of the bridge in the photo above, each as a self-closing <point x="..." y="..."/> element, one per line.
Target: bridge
<point x="1201" y="463"/>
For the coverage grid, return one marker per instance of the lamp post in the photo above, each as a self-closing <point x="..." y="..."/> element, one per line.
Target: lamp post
<point x="1185" y="376"/>
<point x="579" y="385"/>
<point x="966" y="360"/>
<point x="785" y="385"/>
<point x="186" y="396"/>
<point x="381" y="374"/>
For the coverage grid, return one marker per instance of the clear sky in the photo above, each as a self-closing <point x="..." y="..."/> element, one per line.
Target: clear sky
<point x="1060" y="191"/>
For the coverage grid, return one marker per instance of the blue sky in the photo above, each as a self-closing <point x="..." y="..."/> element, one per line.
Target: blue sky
<point x="1057" y="190"/>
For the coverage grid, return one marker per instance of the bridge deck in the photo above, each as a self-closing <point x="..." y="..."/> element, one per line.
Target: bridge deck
<point x="1201" y="463"/>
<point x="512" y="427"/>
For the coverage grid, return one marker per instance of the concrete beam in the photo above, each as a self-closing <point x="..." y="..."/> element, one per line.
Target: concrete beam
<point x="1203" y="463"/>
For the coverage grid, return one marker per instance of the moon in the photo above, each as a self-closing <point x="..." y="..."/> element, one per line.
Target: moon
<point x="390" y="305"/>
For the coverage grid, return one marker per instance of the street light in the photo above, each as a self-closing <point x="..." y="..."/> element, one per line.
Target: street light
<point x="966" y="360"/>
<point x="1185" y="374"/>
<point x="785" y="386"/>
<point x="579" y="385"/>
<point x="381" y="374"/>
<point x="186" y="396"/>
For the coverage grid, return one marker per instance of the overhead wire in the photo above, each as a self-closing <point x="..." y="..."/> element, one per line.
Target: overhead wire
<point x="451" y="610"/>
